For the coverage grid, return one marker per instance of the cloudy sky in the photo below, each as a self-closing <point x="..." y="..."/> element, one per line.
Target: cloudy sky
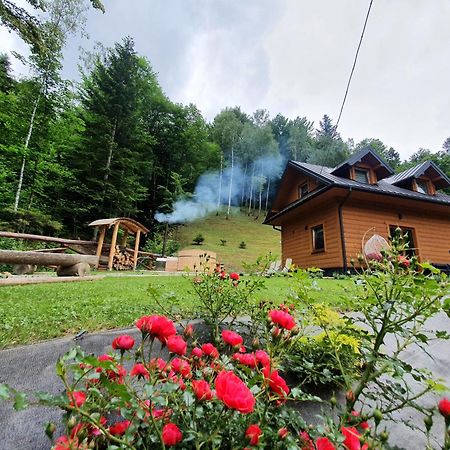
<point x="293" y="57"/>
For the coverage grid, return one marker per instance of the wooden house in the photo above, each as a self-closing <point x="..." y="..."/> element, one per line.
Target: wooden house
<point x="325" y="213"/>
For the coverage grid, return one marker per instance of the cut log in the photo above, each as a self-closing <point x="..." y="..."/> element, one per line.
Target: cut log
<point x="38" y="237"/>
<point x="77" y="270"/>
<point x="45" y="259"/>
<point x="24" y="269"/>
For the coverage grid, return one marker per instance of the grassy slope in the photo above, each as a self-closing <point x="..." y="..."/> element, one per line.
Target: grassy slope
<point x="32" y="313"/>
<point x="260" y="239"/>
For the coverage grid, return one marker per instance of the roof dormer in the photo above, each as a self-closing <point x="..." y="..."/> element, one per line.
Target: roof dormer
<point x="425" y="178"/>
<point x="365" y="167"/>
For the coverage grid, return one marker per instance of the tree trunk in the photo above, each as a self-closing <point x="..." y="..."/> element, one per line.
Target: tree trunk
<point x="231" y="182"/>
<point x="244" y="185"/>
<point x="220" y="182"/>
<point x="76" y="270"/>
<point x="110" y="148"/>
<point x="251" y="191"/>
<point x="267" y="194"/>
<point x="27" y="143"/>
<point x="44" y="259"/>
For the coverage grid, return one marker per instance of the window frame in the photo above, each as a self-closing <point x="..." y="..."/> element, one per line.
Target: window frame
<point x="301" y="187"/>
<point x="366" y="173"/>
<point x="313" y="238"/>
<point x="420" y="184"/>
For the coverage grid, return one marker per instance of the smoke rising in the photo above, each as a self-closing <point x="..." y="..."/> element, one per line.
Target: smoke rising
<point x="213" y="190"/>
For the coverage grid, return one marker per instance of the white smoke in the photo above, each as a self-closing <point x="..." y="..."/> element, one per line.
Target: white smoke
<point x="211" y="185"/>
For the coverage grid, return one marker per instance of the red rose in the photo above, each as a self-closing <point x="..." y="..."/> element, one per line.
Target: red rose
<point x="253" y="433"/>
<point x="188" y="331"/>
<point x="197" y="352"/>
<point x="262" y="357"/>
<point x="282" y="318"/>
<point x="306" y="442"/>
<point x="234" y="393"/>
<point x="276" y="382"/>
<point x="139" y="370"/>
<point x="247" y="359"/>
<point x="64" y="443"/>
<point x="123" y="342"/>
<point x="403" y="261"/>
<point x="223" y="275"/>
<point x="119" y="428"/>
<point x="324" y="443"/>
<point x="202" y="390"/>
<point x="363" y="424"/>
<point x="234" y="276"/>
<point x="283" y="432"/>
<point x="352" y="441"/>
<point x="157" y="326"/>
<point x="158" y="363"/>
<point x="181" y="366"/>
<point x="209" y="350"/>
<point x="77" y="429"/>
<point x="76" y="398"/>
<point x="231" y="338"/>
<point x="171" y="434"/>
<point x="444" y="407"/>
<point x="176" y="344"/>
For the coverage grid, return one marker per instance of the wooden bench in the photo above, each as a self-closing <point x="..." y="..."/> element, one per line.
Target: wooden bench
<point x="67" y="264"/>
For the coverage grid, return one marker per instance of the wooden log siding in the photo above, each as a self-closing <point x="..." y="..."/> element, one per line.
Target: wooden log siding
<point x="430" y="223"/>
<point x="297" y="237"/>
<point x="289" y="190"/>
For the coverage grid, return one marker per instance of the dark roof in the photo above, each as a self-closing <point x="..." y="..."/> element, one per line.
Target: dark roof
<point x="383" y="170"/>
<point x="419" y="170"/>
<point x="385" y="187"/>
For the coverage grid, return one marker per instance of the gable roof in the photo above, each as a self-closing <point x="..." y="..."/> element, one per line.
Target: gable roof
<point x="387" y="186"/>
<point x="420" y="170"/>
<point x="383" y="169"/>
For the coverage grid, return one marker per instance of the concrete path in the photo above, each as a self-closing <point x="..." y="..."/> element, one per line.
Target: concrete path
<point x="31" y="368"/>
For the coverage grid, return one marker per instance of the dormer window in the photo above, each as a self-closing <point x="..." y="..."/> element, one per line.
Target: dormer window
<point x="362" y="176"/>
<point x="422" y="186"/>
<point x="303" y="190"/>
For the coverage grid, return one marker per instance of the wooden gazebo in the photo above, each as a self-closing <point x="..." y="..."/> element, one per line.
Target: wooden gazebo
<point x="129" y="226"/>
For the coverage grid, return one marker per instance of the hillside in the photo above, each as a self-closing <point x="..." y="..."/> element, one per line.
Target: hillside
<point x="258" y="238"/>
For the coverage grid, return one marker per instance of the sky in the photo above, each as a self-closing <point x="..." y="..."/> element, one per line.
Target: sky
<point x="292" y="57"/>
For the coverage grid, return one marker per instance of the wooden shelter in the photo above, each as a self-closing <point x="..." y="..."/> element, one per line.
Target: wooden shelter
<point x="129" y="226"/>
<point x="324" y="213"/>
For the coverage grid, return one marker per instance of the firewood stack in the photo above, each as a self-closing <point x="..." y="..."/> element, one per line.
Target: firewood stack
<point x="122" y="260"/>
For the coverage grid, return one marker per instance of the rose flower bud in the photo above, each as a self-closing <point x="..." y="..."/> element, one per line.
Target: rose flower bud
<point x="444" y="407"/>
<point x="123" y="342"/>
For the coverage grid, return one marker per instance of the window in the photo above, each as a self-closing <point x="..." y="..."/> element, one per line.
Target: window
<point x="303" y="190"/>
<point x="408" y="235"/>
<point x="362" y="176"/>
<point x="318" y="238"/>
<point x="422" y="186"/>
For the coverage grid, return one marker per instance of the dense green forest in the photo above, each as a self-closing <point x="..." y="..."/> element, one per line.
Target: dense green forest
<point x="115" y="145"/>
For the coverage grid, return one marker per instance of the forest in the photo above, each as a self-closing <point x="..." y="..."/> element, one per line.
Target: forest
<point x="115" y="145"/>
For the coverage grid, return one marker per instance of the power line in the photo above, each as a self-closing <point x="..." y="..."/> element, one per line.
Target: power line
<point x="354" y="64"/>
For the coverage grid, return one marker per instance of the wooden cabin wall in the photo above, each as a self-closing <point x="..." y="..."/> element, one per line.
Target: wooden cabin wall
<point x="431" y="225"/>
<point x="288" y="191"/>
<point x="296" y="237"/>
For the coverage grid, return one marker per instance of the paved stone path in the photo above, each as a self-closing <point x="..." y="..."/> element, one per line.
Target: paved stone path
<point x="31" y="368"/>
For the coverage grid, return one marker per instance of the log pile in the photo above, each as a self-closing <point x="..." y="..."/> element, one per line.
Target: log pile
<point x="122" y="260"/>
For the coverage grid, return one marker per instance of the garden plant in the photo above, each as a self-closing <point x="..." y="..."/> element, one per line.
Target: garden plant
<point x="172" y="389"/>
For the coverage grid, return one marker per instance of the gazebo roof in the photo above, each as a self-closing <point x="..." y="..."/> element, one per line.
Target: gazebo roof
<point x="124" y="222"/>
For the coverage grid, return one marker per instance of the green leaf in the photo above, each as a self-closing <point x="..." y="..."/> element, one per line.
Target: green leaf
<point x="20" y="401"/>
<point x="188" y="398"/>
<point x="4" y="391"/>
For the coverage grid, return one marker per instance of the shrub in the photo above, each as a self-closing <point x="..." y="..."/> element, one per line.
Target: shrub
<point x="242" y="245"/>
<point x="223" y="242"/>
<point x="321" y="358"/>
<point x="199" y="239"/>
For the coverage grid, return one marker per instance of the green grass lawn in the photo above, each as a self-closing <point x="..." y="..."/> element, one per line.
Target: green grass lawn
<point x="32" y="313"/>
<point x="259" y="239"/>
